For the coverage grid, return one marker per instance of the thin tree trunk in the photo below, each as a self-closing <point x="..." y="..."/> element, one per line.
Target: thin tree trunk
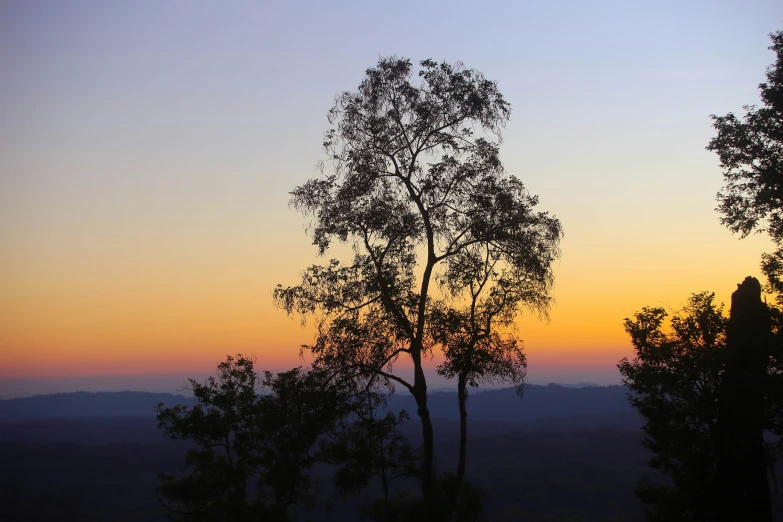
<point x="420" y="382"/>
<point x="462" y="395"/>
<point x="427" y="475"/>
<point x="427" y="478"/>
<point x="385" y="485"/>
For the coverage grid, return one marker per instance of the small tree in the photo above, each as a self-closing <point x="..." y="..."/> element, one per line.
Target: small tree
<point x="417" y="185"/>
<point x="476" y="348"/>
<point x="253" y="450"/>
<point x="371" y="445"/>
<point x="673" y="382"/>
<point x="750" y="150"/>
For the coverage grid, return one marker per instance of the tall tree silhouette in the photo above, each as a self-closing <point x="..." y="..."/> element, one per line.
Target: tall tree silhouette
<point x="417" y="183"/>
<point x="750" y="150"/>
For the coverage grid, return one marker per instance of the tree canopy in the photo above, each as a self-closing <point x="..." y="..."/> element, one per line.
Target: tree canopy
<point x="673" y="382"/>
<point x="417" y="189"/>
<point x="255" y="439"/>
<point x="750" y="150"/>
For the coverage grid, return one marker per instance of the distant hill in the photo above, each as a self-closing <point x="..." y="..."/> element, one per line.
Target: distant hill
<point x="552" y="406"/>
<point x="87" y="405"/>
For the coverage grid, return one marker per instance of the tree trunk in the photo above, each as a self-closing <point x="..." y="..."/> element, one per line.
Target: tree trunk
<point x="385" y="486"/>
<point x="462" y="396"/>
<point x="428" y="446"/>
<point x="742" y="485"/>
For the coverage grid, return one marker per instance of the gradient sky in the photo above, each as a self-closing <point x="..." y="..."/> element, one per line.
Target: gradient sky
<point x="147" y="148"/>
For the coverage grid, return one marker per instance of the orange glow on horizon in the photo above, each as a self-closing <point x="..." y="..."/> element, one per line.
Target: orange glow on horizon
<point x="178" y="312"/>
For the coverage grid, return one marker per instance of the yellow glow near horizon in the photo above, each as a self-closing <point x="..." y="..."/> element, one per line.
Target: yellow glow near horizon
<point x="183" y="309"/>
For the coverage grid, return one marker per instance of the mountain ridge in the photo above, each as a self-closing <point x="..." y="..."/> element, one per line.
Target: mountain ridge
<point x="553" y="405"/>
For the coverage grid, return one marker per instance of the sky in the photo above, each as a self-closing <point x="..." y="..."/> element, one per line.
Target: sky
<point x="147" y="149"/>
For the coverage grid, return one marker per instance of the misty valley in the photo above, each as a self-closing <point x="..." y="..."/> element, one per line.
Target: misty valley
<point x="559" y="454"/>
<point x="570" y="454"/>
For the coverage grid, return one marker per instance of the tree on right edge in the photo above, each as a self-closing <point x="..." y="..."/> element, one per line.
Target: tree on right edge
<point x="746" y="389"/>
<point x="696" y="379"/>
<point x="750" y="150"/>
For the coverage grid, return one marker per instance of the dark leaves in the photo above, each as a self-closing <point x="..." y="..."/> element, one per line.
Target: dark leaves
<point x="674" y="384"/>
<point x="418" y="182"/>
<point x="253" y="450"/>
<point x="750" y="150"/>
